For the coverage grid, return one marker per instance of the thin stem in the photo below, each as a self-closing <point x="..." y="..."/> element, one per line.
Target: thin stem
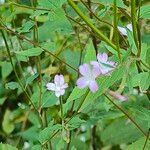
<point x="28" y="7"/>
<point x="37" y="45"/>
<point x="134" y="21"/>
<point x="94" y="14"/>
<point x="61" y="108"/>
<point x="146" y="139"/>
<point x="116" y="34"/>
<point x="80" y="105"/>
<point x="89" y="23"/>
<point x="127" y="115"/>
<point x="94" y="40"/>
<point x="19" y="81"/>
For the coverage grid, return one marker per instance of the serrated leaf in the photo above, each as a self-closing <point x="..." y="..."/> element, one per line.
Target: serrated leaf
<point x="145" y="12"/>
<point x="142" y="80"/>
<point x="75" y="123"/>
<point x="46" y="133"/>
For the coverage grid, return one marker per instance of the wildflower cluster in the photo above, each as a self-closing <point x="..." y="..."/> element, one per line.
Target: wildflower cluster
<point x="89" y="73"/>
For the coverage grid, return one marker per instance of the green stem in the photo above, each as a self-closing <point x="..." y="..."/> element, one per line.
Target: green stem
<point x="80" y="105"/>
<point x="89" y="23"/>
<point x="146" y="139"/>
<point x="116" y="34"/>
<point x="134" y="21"/>
<point x="36" y="45"/>
<point x="19" y="81"/>
<point x="127" y="115"/>
<point x="61" y="108"/>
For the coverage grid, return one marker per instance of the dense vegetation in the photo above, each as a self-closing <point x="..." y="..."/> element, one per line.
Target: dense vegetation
<point x="75" y="74"/>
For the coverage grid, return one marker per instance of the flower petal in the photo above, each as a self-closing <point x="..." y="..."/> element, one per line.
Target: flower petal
<point x="93" y="86"/>
<point x="59" y="80"/>
<point x="102" y="57"/>
<point x="50" y="86"/>
<point x="57" y="93"/>
<point x="96" y="71"/>
<point x="84" y="69"/>
<point x="81" y="83"/>
<point x="64" y="86"/>
<point x="62" y="92"/>
<point x="122" y="30"/>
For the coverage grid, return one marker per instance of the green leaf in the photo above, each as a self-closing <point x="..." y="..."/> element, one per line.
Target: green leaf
<point x="139" y="144"/>
<point x="36" y="147"/>
<point x="46" y="133"/>
<point x="142" y="80"/>
<point x="110" y="2"/>
<point x="122" y="131"/>
<point x="145" y="12"/>
<point x="30" y="52"/>
<point x="76" y="93"/>
<point x="2" y="100"/>
<point x="75" y="122"/>
<point x="90" y="53"/>
<point x="7" y="147"/>
<point x="51" y="4"/>
<point x="49" y="99"/>
<point x="6" y="72"/>
<point x="26" y="27"/>
<point x="12" y="85"/>
<point x="31" y="78"/>
<point x="131" y="41"/>
<point x="7" y="123"/>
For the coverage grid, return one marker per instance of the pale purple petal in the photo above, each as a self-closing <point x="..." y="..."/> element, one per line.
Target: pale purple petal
<point x="64" y="86"/>
<point x="81" y="83"/>
<point x="84" y="69"/>
<point x="50" y="86"/>
<point x="93" y="86"/>
<point x="62" y="92"/>
<point x="57" y="93"/>
<point x="122" y="30"/>
<point x="111" y="63"/>
<point x="96" y="71"/>
<point x="94" y="63"/>
<point x="102" y="57"/>
<point x="59" y="79"/>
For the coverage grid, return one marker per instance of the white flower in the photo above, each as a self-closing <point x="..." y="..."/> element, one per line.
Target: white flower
<point x="58" y="86"/>
<point x="123" y="30"/>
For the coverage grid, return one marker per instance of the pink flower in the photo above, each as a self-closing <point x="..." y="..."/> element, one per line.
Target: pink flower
<point x="58" y="86"/>
<point x="88" y="77"/>
<point x="118" y="96"/>
<point x="103" y="65"/>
